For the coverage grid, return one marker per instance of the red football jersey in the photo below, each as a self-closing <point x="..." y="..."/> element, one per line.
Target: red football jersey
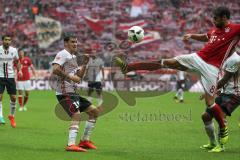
<point x="26" y="63"/>
<point x="220" y="40"/>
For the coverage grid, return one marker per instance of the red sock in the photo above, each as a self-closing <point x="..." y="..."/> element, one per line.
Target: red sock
<point x="218" y="115"/>
<point x="20" y="101"/>
<point x="25" y="100"/>
<point x="150" y="66"/>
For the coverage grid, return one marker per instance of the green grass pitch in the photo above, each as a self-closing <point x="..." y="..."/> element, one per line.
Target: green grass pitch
<point x="126" y="133"/>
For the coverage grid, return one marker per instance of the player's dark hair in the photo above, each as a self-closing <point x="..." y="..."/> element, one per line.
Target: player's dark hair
<point x="6" y="35"/>
<point x="67" y="37"/>
<point x="221" y="12"/>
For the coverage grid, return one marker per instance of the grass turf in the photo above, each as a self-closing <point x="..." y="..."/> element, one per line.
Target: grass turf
<point x="156" y="128"/>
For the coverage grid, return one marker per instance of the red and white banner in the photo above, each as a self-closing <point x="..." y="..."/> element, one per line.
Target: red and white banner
<point x="97" y="25"/>
<point x="125" y="26"/>
<point x="29" y="28"/>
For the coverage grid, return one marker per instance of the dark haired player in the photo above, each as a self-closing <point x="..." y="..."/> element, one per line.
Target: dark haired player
<point x="69" y="74"/>
<point x="8" y="55"/>
<point x="220" y="40"/>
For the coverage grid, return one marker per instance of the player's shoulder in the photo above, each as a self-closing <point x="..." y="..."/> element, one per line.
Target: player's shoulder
<point x="63" y="53"/>
<point x="234" y="25"/>
<point x="27" y="58"/>
<point x="12" y="49"/>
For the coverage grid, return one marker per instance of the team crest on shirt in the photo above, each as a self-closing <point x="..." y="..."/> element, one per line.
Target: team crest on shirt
<point x="227" y="29"/>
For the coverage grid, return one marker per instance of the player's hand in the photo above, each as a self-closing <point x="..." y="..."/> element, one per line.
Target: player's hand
<point x="20" y="74"/>
<point x="186" y="37"/>
<point x="74" y="78"/>
<point x="86" y="59"/>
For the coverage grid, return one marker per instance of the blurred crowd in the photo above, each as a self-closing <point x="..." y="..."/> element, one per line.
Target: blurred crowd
<point x="170" y="18"/>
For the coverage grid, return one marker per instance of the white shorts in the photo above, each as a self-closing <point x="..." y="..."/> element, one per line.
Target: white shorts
<point x="207" y="72"/>
<point x="24" y="85"/>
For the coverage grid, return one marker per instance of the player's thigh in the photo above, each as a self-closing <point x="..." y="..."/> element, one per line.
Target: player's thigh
<point x="189" y="62"/>
<point x="209" y="82"/>
<point x="27" y="93"/>
<point x="174" y="64"/>
<point x="207" y="117"/>
<point x="84" y="104"/>
<point x="20" y="92"/>
<point x="11" y="86"/>
<point x="69" y="104"/>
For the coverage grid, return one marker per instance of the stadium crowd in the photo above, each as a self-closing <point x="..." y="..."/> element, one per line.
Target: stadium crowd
<point x="171" y="19"/>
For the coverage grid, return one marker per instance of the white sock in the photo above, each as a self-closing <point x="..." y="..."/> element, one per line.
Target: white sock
<point x="88" y="129"/>
<point x="73" y="131"/>
<point x="12" y="108"/>
<point x="210" y="130"/>
<point x="180" y="94"/>
<point x="1" y="112"/>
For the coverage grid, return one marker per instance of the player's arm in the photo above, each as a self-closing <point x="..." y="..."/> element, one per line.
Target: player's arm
<point x="57" y="70"/>
<point x="19" y="67"/>
<point x="33" y="70"/>
<point x="198" y="37"/>
<point x="81" y="72"/>
<point x="227" y="76"/>
<point x="103" y="74"/>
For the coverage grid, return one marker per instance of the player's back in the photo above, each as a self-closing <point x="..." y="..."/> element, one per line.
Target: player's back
<point x="220" y="41"/>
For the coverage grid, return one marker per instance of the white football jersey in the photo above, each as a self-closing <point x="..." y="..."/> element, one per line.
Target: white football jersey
<point x="232" y="64"/>
<point x="7" y="58"/>
<point x="68" y="62"/>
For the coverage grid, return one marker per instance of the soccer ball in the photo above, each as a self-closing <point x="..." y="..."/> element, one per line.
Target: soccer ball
<point x="135" y="34"/>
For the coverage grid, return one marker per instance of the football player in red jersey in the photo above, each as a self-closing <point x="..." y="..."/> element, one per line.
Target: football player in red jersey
<point x="23" y="82"/>
<point x="220" y="41"/>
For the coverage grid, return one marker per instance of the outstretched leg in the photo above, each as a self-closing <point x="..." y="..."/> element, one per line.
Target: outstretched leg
<point x="149" y="65"/>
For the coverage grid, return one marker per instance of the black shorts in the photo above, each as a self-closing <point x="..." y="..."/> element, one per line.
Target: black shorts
<point x="95" y="85"/>
<point x="10" y="84"/>
<point x="73" y="103"/>
<point x="228" y="102"/>
<point x="180" y="84"/>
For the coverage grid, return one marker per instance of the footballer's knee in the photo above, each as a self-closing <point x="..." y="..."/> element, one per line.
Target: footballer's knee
<point x="76" y="118"/>
<point x="13" y="98"/>
<point x="100" y="109"/>
<point x="206" y="117"/>
<point x="93" y="112"/>
<point x="26" y="93"/>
